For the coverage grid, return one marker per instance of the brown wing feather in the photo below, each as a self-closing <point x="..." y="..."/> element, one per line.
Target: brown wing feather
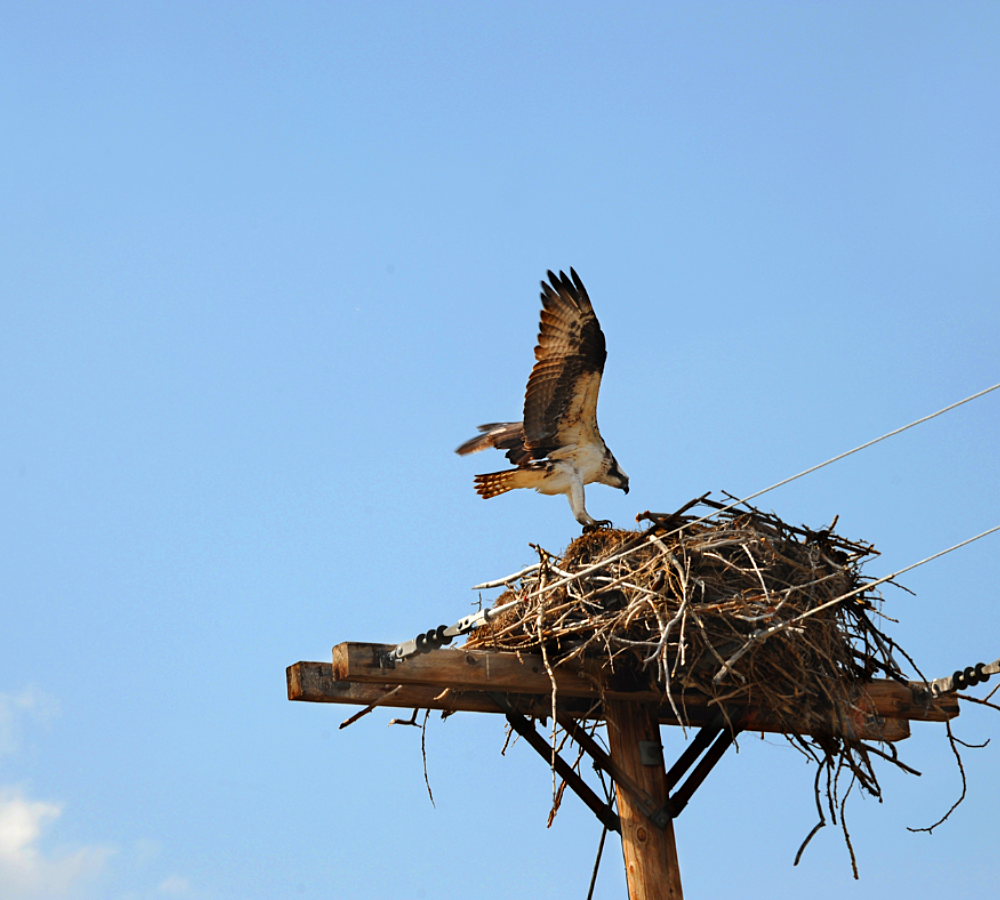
<point x="562" y="389"/>
<point x="508" y="436"/>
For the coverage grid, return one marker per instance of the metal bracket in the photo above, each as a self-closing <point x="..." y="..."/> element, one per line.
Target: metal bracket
<point x="651" y="753"/>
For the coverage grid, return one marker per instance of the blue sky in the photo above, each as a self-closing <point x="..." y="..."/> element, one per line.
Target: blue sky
<point x="266" y="265"/>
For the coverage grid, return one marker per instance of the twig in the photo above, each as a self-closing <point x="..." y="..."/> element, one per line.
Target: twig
<point x="510" y="579"/>
<point x="978" y="700"/>
<point x="843" y="827"/>
<point x="423" y="753"/>
<point x="597" y="863"/>
<point x="552" y="679"/>
<point x="958" y="758"/>
<point x="370" y="707"/>
<point x="819" y="809"/>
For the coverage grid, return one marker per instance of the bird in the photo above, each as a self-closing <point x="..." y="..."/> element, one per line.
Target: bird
<point x="557" y="448"/>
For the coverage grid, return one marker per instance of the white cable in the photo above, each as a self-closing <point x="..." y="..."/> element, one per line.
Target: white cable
<point x="594" y="566"/>
<point x="886" y="578"/>
<point x="865" y="445"/>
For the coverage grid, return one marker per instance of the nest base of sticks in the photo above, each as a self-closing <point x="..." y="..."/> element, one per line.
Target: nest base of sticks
<point x="741" y="610"/>
<point x="744" y="609"/>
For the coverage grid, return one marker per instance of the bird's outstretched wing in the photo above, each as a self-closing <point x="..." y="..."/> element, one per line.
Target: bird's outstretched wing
<point x="560" y="402"/>
<point x="507" y="436"/>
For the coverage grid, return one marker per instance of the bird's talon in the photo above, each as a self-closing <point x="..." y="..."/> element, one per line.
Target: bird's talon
<point x="597" y="526"/>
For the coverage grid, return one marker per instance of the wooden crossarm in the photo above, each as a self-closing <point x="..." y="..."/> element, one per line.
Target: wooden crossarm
<point x="525" y="673"/>
<point x="458" y="681"/>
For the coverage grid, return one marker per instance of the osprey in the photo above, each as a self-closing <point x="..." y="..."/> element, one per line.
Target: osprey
<point x="557" y="448"/>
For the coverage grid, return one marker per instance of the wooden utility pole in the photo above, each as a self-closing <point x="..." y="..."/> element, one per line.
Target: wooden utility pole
<point x="651" y="866"/>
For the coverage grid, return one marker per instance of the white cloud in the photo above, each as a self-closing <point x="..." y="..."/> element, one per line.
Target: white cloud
<point x="28" y="702"/>
<point x="175" y="886"/>
<point x="31" y="868"/>
<point x="25" y="870"/>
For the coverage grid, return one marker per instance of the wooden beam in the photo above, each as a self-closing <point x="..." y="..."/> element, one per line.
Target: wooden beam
<point x="895" y="700"/>
<point x="860" y="723"/>
<point x="473" y="670"/>
<point x="315" y="682"/>
<point x="651" y="866"/>
<point x="525" y="673"/>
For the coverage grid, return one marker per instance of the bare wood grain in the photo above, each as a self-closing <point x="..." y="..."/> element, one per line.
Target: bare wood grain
<point x="651" y="866"/>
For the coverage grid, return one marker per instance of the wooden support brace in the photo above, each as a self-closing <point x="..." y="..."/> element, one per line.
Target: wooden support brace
<point x="693" y="750"/>
<point x="705" y="765"/>
<point x="657" y="814"/>
<point x="563" y="769"/>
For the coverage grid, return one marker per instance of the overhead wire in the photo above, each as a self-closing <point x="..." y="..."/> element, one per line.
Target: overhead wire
<point x="866" y="445"/>
<point x="587" y="570"/>
<point x="885" y="578"/>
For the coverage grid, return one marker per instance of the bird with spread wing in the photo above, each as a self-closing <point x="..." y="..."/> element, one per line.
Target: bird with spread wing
<point x="558" y="448"/>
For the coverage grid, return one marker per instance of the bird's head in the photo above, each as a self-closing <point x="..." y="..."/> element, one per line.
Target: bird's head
<point x="616" y="476"/>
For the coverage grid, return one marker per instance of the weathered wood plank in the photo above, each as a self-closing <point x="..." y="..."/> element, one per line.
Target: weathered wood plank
<point x="525" y="673"/>
<point x="889" y="698"/>
<point x="468" y="669"/>
<point x="859" y="723"/>
<point x="314" y="682"/>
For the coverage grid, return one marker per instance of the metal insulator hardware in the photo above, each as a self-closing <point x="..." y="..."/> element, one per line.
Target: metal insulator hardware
<point x="963" y="678"/>
<point x="432" y="640"/>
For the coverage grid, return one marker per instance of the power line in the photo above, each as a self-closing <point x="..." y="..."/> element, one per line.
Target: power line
<point x="865" y="445"/>
<point x="941" y="683"/>
<point x="885" y="578"/>
<point x="587" y="570"/>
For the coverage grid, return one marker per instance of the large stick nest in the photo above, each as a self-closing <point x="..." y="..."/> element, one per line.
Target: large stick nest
<point x="744" y="608"/>
<point x="741" y="607"/>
